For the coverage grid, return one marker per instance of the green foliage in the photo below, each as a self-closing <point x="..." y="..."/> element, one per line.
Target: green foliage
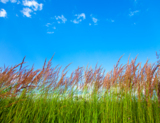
<point x="106" y="110"/>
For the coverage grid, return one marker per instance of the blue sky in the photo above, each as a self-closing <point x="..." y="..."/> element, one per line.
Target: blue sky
<point x="78" y="31"/>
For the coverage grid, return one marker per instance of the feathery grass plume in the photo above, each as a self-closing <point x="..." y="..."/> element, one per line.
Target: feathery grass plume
<point x="120" y="86"/>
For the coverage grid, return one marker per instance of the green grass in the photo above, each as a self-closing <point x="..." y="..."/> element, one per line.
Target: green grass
<point x="41" y="110"/>
<point x="114" y="106"/>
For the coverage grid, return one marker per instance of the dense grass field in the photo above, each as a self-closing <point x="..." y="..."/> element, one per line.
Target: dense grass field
<point x="131" y="95"/>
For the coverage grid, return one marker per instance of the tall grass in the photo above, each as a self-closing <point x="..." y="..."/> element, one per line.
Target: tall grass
<point x="19" y="103"/>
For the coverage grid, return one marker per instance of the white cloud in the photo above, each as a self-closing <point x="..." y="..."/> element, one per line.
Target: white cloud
<point x="16" y="15"/>
<point x="33" y="4"/>
<point x="89" y="24"/>
<point x="40" y="5"/>
<point x="94" y="20"/>
<point x="76" y="21"/>
<point x="26" y="12"/>
<point x="13" y="1"/>
<point x="133" y="12"/>
<point x="4" y="1"/>
<point x="110" y="20"/>
<point x="81" y="15"/>
<point x="3" y="13"/>
<point x="54" y="27"/>
<point x="135" y="1"/>
<point x="18" y="2"/>
<point x="50" y="32"/>
<point x="61" y="18"/>
<point x="48" y="24"/>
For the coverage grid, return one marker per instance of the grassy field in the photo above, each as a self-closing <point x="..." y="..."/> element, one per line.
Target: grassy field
<point x="131" y="95"/>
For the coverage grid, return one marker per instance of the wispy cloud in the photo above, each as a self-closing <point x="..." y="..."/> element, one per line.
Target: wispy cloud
<point x="133" y="12"/>
<point x="33" y="4"/>
<point x="81" y="15"/>
<point x="77" y="20"/>
<point x="94" y="19"/>
<point x="13" y="1"/>
<point x="50" y="32"/>
<point x="18" y="2"/>
<point x="26" y="12"/>
<point x="47" y="25"/>
<point x="49" y="28"/>
<point x="3" y="13"/>
<point x="4" y="1"/>
<point x="110" y="20"/>
<point x="61" y="18"/>
<point x="135" y="1"/>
